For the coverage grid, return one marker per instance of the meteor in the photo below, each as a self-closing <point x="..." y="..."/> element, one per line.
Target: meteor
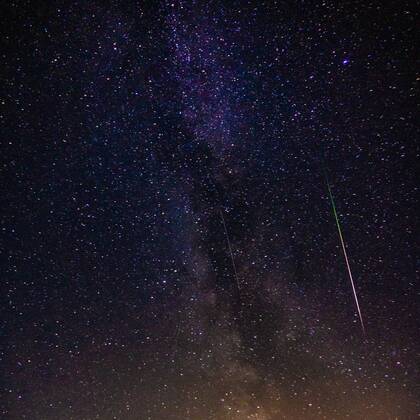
<point x="230" y="251"/>
<point x="345" y="255"/>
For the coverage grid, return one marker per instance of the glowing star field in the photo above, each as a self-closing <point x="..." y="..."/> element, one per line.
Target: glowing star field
<point x="209" y="210"/>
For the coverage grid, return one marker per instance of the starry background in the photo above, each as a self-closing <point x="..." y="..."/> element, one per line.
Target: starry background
<point x="137" y="139"/>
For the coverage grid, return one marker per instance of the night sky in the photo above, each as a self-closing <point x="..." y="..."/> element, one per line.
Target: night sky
<point x="169" y="249"/>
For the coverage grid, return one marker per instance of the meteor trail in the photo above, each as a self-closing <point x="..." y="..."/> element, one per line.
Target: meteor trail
<point x="230" y="250"/>
<point x="345" y="255"/>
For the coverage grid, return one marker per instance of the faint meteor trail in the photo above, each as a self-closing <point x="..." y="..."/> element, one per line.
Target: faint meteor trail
<point x="345" y="255"/>
<point x="176" y="343"/>
<point x="230" y="251"/>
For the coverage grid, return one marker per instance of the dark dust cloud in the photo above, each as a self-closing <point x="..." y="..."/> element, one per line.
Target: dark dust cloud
<point x="169" y="248"/>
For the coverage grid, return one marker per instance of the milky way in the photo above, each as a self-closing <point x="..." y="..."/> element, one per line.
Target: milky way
<point x="170" y="250"/>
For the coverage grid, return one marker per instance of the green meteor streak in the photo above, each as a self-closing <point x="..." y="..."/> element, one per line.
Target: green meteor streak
<point x="337" y="221"/>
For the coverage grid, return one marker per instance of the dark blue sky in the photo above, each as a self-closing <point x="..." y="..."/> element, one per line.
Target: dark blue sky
<point x="131" y="131"/>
